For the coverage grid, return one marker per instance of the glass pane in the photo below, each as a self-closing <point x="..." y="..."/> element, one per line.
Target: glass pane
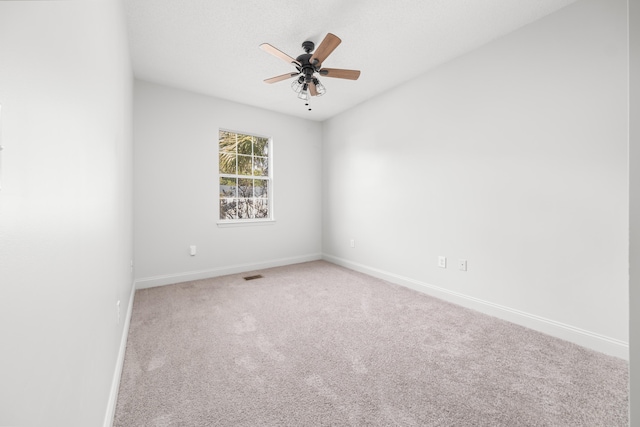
<point x="228" y="187"/>
<point x="228" y="209"/>
<point x="261" y="188"/>
<point x="261" y="146"/>
<point x="261" y="208"/>
<point x="245" y="208"/>
<point x="227" y="163"/>
<point x="245" y="188"/>
<point x="245" y="143"/>
<point x="244" y="165"/>
<point x="227" y="152"/>
<point x="226" y="138"/>
<point x="261" y="166"/>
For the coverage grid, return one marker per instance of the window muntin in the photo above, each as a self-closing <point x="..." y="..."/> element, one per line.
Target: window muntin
<point x="244" y="176"/>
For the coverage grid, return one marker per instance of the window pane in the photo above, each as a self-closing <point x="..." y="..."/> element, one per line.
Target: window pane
<point x="227" y="163"/>
<point x="245" y="143"/>
<point x="245" y="208"/>
<point x="227" y="151"/>
<point x="261" y="146"/>
<point x="228" y="187"/>
<point x="261" y="188"/>
<point x="227" y="140"/>
<point x="261" y="166"/>
<point x="244" y="165"/>
<point x="245" y="188"/>
<point x="261" y="208"/>
<point x="228" y="208"/>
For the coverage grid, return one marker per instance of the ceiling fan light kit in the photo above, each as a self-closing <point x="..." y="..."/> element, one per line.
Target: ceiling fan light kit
<point x="308" y="64"/>
<point x="304" y="95"/>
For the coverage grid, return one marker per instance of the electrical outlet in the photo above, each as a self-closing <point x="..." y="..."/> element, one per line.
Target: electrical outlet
<point x="462" y="264"/>
<point x="442" y="262"/>
<point x="353" y="243"/>
<point x="192" y="250"/>
<point x="118" y="312"/>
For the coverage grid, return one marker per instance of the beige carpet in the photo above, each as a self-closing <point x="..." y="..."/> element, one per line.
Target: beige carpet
<point x="315" y="344"/>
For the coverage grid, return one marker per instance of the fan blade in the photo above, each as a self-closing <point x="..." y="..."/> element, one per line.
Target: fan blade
<point x="280" y="78"/>
<point x="340" y="74"/>
<point x="278" y="53"/>
<point x="328" y="45"/>
<point x="312" y="89"/>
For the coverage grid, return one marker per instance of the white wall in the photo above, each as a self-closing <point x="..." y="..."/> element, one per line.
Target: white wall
<point x="634" y="212"/>
<point x="176" y="204"/>
<point x="513" y="157"/>
<point x="65" y="209"/>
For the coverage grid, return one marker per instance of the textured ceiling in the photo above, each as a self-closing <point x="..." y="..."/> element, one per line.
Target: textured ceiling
<point x="211" y="46"/>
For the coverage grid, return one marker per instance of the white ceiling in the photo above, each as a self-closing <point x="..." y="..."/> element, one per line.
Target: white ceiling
<point x="211" y="46"/>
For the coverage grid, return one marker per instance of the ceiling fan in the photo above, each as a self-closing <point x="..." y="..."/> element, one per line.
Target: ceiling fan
<point x="308" y="64"/>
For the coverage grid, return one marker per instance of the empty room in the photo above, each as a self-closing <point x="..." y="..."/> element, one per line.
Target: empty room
<point x="269" y="213"/>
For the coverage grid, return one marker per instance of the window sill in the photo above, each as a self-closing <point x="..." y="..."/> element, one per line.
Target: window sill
<point x="245" y="223"/>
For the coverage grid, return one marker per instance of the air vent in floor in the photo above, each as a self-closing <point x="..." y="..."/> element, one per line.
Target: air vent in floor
<point x="257" y="276"/>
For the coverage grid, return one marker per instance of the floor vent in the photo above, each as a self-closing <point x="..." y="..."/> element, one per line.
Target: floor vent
<point x="257" y="276"/>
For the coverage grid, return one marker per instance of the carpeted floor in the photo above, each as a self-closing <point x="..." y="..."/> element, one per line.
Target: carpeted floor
<point x="315" y="344"/>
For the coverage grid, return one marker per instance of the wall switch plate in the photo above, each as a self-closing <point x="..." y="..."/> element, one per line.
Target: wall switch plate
<point x="192" y="250"/>
<point x="462" y="264"/>
<point x="442" y="262"/>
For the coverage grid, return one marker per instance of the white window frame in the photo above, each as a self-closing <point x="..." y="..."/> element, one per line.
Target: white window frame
<point x="246" y="221"/>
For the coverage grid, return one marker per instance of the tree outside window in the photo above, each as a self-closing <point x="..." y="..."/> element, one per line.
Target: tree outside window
<point x="244" y="176"/>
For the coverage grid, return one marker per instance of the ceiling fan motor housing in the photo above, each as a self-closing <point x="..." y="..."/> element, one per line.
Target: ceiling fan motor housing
<point x="306" y="67"/>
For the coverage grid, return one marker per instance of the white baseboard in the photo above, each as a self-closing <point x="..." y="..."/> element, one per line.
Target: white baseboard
<point x="168" y="279"/>
<point x="115" y="384"/>
<point x="592" y="340"/>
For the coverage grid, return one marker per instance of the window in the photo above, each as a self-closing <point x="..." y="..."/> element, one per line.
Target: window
<point x="245" y="176"/>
